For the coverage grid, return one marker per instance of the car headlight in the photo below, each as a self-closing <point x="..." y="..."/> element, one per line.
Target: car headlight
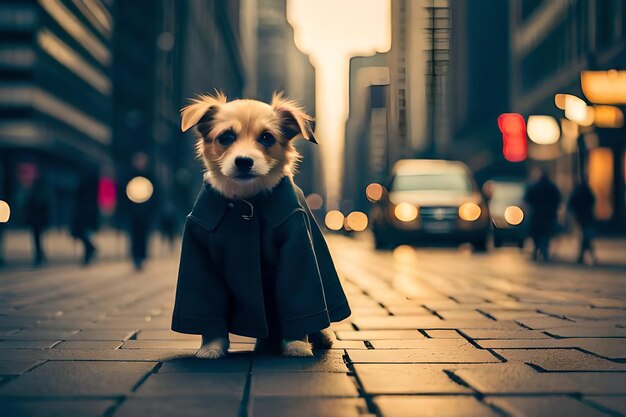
<point x="513" y="215"/>
<point x="406" y="212"/>
<point x="469" y="212"/>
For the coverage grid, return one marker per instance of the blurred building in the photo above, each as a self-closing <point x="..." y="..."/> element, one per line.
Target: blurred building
<point x="276" y="64"/>
<point x="175" y="51"/>
<point x="479" y="86"/>
<point x="551" y="43"/>
<point x="55" y="95"/>
<point x="398" y="100"/>
<point x="418" y="62"/>
<point x="367" y="147"/>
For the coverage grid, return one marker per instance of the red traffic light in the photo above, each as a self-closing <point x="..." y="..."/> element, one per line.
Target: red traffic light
<point x="513" y="128"/>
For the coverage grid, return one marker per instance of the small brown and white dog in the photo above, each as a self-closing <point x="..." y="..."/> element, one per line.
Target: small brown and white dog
<point x="246" y="146"/>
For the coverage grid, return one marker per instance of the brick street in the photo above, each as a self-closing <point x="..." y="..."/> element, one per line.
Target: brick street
<point x="434" y="332"/>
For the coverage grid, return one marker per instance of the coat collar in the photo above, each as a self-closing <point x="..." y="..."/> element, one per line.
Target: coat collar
<point x="276" y="205"/>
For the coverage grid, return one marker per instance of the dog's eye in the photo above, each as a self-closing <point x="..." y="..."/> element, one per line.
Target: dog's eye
<point x="226" y="138"/>
<point x="267" y="139"/>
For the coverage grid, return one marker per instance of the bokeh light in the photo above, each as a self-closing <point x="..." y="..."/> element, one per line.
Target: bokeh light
<point x="543" y="130"/>
<point x="374" y="192"/>
<point x="513" y="215"/>
<point x="610" y="117"/>
<point x="357" y="221"/>
<point x="406" y="212"/>
<point x="577" y="111"/>
<point x="334" y="220"/>
<point x="469" y="212"/>
<point x="605" y="87"/>
<point x="5" y="211"/>
<point x="139" y="190"/>
<point x="315" y="201"/>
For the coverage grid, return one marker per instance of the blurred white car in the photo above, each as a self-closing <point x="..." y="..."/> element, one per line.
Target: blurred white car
<point x="431" y="201"/>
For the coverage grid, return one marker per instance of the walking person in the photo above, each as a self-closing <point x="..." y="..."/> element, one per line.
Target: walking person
<point x="37" y="217"/>
<point x="85" y="220"/>
<point x="581" y="204"/>
<point x="543" y="197"/>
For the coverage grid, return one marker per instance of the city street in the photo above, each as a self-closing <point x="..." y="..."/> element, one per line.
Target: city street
<point x="434" y="332"/>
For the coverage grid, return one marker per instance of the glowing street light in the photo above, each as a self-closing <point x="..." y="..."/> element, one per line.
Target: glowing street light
<point x="577" y="110"/>
<point x="374" y="192"/>
<point x="5" y="211"/>
<point x="315" y="201"/>
<point x="559" y="100"/>
<point x="357" y="221"/>
<point x="334" y="220"/>
<point x="139" y="190"/>
<point x="604" y="87"/>
<point x="543" y="130"/>
<point x="608" y="117"/>
<point x="513" y="128"/>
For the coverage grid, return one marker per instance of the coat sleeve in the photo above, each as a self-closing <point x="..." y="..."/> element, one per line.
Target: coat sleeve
<point x="201" y="305"/>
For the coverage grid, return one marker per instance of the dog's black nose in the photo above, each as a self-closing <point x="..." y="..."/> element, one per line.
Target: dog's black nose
<point x="243" y="163"/>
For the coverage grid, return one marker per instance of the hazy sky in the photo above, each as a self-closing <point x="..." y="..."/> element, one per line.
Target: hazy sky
<point x="330" y="32"/>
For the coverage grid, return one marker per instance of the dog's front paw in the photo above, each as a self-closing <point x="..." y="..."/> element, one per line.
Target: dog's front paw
<point x="297" y="348"/>
<point x="322" y="339"/>
<point x="213" y="349"/>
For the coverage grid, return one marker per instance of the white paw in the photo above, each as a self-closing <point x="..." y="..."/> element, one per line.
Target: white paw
<point x="298" y="348"/>
<point x="214" y="349"/>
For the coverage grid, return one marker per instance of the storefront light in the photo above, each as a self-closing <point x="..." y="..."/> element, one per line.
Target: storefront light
<point x="543" y="130"/>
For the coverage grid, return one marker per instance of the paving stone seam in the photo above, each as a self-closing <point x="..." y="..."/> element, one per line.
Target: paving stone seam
<point x="144" y="378"/>
<point x="424" y="333"/>
<point x="542" y="370"/>
<point x="484" y="313"/>
<point x="590" y="403"/>
<point x="115" y="407"/>
<point x="523" y="325"/>
<point x="244" y="404"/>
<point x="371" y="408"/>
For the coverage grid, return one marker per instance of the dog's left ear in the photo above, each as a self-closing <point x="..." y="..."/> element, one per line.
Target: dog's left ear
<point x="199" y="107"/>
<point x="294" y="121"/>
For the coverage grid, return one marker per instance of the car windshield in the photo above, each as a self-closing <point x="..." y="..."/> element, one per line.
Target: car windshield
<point x="508" y="191"/>
<point x="441" y="181"/>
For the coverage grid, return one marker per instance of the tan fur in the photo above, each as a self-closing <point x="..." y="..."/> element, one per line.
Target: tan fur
<point x="248" y="119"/>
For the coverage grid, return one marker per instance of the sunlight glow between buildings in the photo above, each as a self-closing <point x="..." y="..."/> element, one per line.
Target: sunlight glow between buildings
<point x="331" y="32"/>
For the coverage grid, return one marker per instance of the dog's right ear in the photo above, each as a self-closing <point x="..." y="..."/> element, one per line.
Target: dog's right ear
<point x="204" y="105"/>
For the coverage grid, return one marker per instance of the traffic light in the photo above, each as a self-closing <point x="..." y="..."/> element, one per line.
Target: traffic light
<point x="513" y="128"/>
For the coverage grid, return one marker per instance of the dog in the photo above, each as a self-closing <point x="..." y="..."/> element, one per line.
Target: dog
<point x="247" y="150"/>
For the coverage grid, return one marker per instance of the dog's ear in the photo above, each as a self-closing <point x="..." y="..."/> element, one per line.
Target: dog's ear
<point x="201" y="111"/>
<point x="294" y="121"/>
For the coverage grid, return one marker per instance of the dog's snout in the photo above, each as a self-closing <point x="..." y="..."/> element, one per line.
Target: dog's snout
<point x="244" y="163"/>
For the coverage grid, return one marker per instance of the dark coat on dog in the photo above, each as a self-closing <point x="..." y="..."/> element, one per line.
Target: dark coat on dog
<point x="256" y="267"/>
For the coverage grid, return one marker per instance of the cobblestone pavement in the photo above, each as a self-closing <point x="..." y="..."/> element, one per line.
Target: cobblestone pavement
<point x="434" y="332"/>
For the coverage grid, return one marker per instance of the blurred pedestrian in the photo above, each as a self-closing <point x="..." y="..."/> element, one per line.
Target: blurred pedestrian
<point x="543" y="198"/>
<point x="85" y="220"/>
<point x="37" y="217"/>
<point x="581" y="204"/>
